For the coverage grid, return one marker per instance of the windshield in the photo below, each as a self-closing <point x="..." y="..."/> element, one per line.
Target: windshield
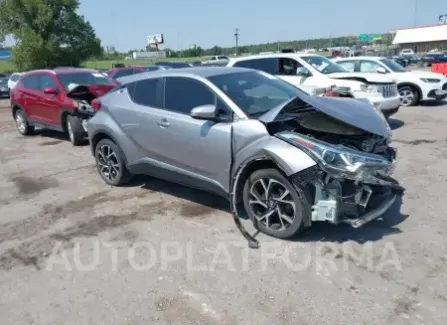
<point x="323" y="65"/>
<point x="255" y="92"/>
<point x="71" y="80"/>
<point x="393" y="66"/>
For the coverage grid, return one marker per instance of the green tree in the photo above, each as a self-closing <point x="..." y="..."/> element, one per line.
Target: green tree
<point x="47" y="33"/>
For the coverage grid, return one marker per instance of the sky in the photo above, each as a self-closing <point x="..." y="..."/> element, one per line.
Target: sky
<point x="126" y="24"/>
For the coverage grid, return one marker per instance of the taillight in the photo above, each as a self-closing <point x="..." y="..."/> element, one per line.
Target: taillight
<point x="96" y="104"/>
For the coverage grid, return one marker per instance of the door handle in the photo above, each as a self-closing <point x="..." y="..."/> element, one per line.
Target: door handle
<point x="163" y="123"/>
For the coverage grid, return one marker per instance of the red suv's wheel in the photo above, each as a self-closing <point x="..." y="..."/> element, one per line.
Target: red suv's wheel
<point x="22" y="123"/>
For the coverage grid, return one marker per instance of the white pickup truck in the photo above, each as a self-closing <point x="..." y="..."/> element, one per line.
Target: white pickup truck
<point x="312" y="72"/>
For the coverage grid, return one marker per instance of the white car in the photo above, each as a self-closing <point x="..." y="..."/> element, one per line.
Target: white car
<point x="312" y="72"/>
<point x="13" y="79"/>
<point x="413" y="86"/>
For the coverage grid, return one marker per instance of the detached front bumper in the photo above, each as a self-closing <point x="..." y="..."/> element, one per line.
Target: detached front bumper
<point x="354" y="202"/>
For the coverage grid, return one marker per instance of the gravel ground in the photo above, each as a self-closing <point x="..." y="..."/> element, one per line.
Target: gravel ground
<point x="75" y="251"/>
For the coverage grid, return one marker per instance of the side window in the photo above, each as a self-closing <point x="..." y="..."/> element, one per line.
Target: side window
<point x="47" y="81"/>
<point x="123" y="73"/>
<point x="369" y="66"/>
<point x="183" y="94"/>
<point x="348" y="65"/>
<point x="269" y="65"/>
<point x="135" y="71"/>
<point x="148" y="69"/>
<point x="31" y="82"/>
<point x="287" y="66"/>
<point x="147" y="92"/>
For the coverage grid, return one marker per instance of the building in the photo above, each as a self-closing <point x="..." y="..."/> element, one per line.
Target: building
<point x="5" y="55"/>
<point x="422" y="39"/>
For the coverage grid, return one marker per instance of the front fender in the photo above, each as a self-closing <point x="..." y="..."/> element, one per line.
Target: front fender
<point x="289" y="159"/>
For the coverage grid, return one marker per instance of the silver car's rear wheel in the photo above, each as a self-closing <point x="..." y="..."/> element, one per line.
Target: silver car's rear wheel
<point x="273" y="204"/>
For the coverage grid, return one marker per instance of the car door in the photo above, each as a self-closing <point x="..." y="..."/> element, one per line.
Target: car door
<point x="288" y="68"/>
<point x="369" y="66"/>
<point x="200" y="150"/>
<point x="29" y="94"/>
<point x="48" y="105"/>
<point x="348" y="65"/>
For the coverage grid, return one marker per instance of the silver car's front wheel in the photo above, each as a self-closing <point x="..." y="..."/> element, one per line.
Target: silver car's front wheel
<point x="110" y="163"/>
<point x="273" y="204"/>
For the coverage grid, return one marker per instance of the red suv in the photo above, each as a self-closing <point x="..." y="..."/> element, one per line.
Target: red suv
<point x="60" y="99"/>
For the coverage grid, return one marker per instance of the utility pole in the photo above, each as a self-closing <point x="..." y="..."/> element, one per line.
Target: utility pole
<point x="236" y="36"/>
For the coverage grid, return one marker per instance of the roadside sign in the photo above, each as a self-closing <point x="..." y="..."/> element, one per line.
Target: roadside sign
<point x="370" y="37"/>
<point x="442" y="19"/>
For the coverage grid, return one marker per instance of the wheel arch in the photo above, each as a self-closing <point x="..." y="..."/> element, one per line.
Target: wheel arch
<point x="98" y="136"/>
<point x="413" y="85"/>
<point x="15" y="107"/>
<point x="63" y="115"/>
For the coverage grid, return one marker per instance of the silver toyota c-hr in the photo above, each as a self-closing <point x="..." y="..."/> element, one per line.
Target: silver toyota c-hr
<point x="282" y="157"/>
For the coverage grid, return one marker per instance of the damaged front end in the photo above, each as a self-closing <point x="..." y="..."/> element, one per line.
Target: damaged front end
<point x="84" y="98"/>
<point x="349" y="142"/>
<point x="351" y="186"/>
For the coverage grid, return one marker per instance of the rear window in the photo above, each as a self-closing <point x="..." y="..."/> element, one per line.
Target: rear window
<point x="71" y="80"/>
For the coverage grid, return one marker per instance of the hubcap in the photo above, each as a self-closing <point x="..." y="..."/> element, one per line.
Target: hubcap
<point x="108" y="163"/>
<point x="20" y="121"/>
<point x="406" y="96"/>
<point x="70" y="131"/>
<point x="272" y="204"/>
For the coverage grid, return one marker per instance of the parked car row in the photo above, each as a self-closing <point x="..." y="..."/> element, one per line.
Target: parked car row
<point x="279" y="154"/>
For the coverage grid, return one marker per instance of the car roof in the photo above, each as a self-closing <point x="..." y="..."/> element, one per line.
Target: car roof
<point x="203" y="72"/>
<point x="272" y="55"/>
<point x="375" y="58"/>
<point x="60" y="71"/>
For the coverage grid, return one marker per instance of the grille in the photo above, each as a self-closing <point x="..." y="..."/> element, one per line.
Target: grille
<point x="444" y="87"/>
<point x="388" y="90"/>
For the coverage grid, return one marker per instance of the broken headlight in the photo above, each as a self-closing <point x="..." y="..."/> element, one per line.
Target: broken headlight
<point x="337" y="158"/>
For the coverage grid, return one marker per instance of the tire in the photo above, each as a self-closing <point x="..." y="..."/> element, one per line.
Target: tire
<point x="409" y="96"/>
<point x="75" y="130"/>
<point x="276" y="226"/>
<point x="112" y="170"/>
<point x="22" y="123"/>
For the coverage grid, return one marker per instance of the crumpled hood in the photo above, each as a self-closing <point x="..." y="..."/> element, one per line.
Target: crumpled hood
<point x="366" y="76"/>
<point x="89" y="92"/>
<point x="354" y="112"/>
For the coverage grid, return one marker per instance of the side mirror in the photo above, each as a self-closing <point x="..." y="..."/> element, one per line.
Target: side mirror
<point x="301" y="71"/>
<point x="204" y="112"/>
<point x="381" y="70"/>
<point x="51" y="91"/>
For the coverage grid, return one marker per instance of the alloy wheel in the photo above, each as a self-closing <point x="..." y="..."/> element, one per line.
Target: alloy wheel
<point x="20" y="122"/>
<point x="406" y="96"/>
<point x="108" y="162"/>
<point x="272" y="204"/>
